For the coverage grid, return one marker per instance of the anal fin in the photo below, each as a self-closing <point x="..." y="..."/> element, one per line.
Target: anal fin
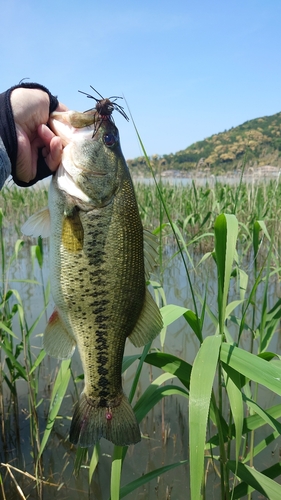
<point x="57" y="341"/>
<point x="149" y="324"/>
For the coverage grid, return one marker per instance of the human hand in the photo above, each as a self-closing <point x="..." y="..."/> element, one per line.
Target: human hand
<point x="30" y="108"/>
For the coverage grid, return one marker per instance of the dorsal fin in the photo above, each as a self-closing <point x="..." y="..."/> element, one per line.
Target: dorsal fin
<point x="150" y="250"/>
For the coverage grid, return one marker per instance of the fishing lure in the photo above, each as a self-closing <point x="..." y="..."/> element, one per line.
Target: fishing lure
<point x="105" y="106"/>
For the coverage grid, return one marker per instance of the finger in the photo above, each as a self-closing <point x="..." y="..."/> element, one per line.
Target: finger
<point x="53" y="147"/>
<point x="61" y="107"/>
<point x="26" y="157"/>
<point x="45" y="134"/>
<point x="30" y="108"/>
<point x="54" y="156"/>
<point x="35" y="145"/>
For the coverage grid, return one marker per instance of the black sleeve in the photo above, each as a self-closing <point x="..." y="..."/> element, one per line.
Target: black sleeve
<point x="9" y="135"/>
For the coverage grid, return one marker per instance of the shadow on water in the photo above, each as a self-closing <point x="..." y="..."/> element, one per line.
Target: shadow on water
<point x="165" y="436"/>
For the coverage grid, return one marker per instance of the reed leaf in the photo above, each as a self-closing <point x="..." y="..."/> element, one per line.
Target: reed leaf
<point x="171" y="313"/>
<point x="253" y="367"/>
<point x="154" y="393"/>
<point x="171" y="364"/>
<point x="233" y="389"/>
<point x="80" y="457"/>
<point x="58" y="392"/>
<point x="128" y="488"/>
<point x="21" y="371"/>
<point x="195" y="323"/>
<point x="262" y="445"/>
<point x="129" y="360"/>
<point x="6" y="329"/>
<point x="256" y="480"/>
<point x="116" y="469"/>
<point x="201" y="382"/>
<point x="38" y="361"/>
<point x="226" y="230"/>
<point x="265" y="416"/>
<point x="250" y="423"/>
<point x="94" y="461"/>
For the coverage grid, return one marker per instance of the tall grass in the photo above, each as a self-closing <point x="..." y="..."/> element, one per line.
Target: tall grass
<point x="234" y="230"/>
<point x="193" y="208"/>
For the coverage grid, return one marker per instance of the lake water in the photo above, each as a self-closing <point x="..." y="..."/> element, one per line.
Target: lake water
<point x="211" y="180"/>
<point x="171" y="416"/>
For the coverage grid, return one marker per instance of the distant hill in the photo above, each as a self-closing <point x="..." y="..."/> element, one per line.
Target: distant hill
<point x="224" y="152"/>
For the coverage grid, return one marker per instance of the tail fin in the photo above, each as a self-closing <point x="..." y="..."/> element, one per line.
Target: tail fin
<point x="90" y="423"/>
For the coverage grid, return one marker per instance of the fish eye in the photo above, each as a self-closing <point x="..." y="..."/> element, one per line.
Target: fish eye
<point x="109" y="139"/>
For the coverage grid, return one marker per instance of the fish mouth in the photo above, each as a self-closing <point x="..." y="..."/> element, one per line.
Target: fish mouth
<point x="61" y="124"/>
<point x="93" y="174"/>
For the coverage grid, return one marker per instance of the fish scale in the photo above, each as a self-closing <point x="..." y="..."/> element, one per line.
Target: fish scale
<point x="97" y="277"/>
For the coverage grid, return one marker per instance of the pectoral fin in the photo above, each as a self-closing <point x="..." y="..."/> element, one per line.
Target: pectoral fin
<point x="57" y="341"/>
<point x="38" y="224"/>
<point x="149" y="324"/>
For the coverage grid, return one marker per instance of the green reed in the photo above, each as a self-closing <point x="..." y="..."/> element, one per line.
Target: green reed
<point x="192" y="208"/>
<point x="236" y="231"/>
<point x="250" y="200"/>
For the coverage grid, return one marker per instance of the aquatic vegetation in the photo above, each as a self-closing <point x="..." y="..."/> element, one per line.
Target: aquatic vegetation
<point x="233" y="321"/>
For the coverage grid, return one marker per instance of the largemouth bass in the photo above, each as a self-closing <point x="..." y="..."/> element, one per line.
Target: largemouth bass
<point x="98" y="251"/>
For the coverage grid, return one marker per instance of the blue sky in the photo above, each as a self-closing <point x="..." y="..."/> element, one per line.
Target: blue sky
<point x="188" y="69"/>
